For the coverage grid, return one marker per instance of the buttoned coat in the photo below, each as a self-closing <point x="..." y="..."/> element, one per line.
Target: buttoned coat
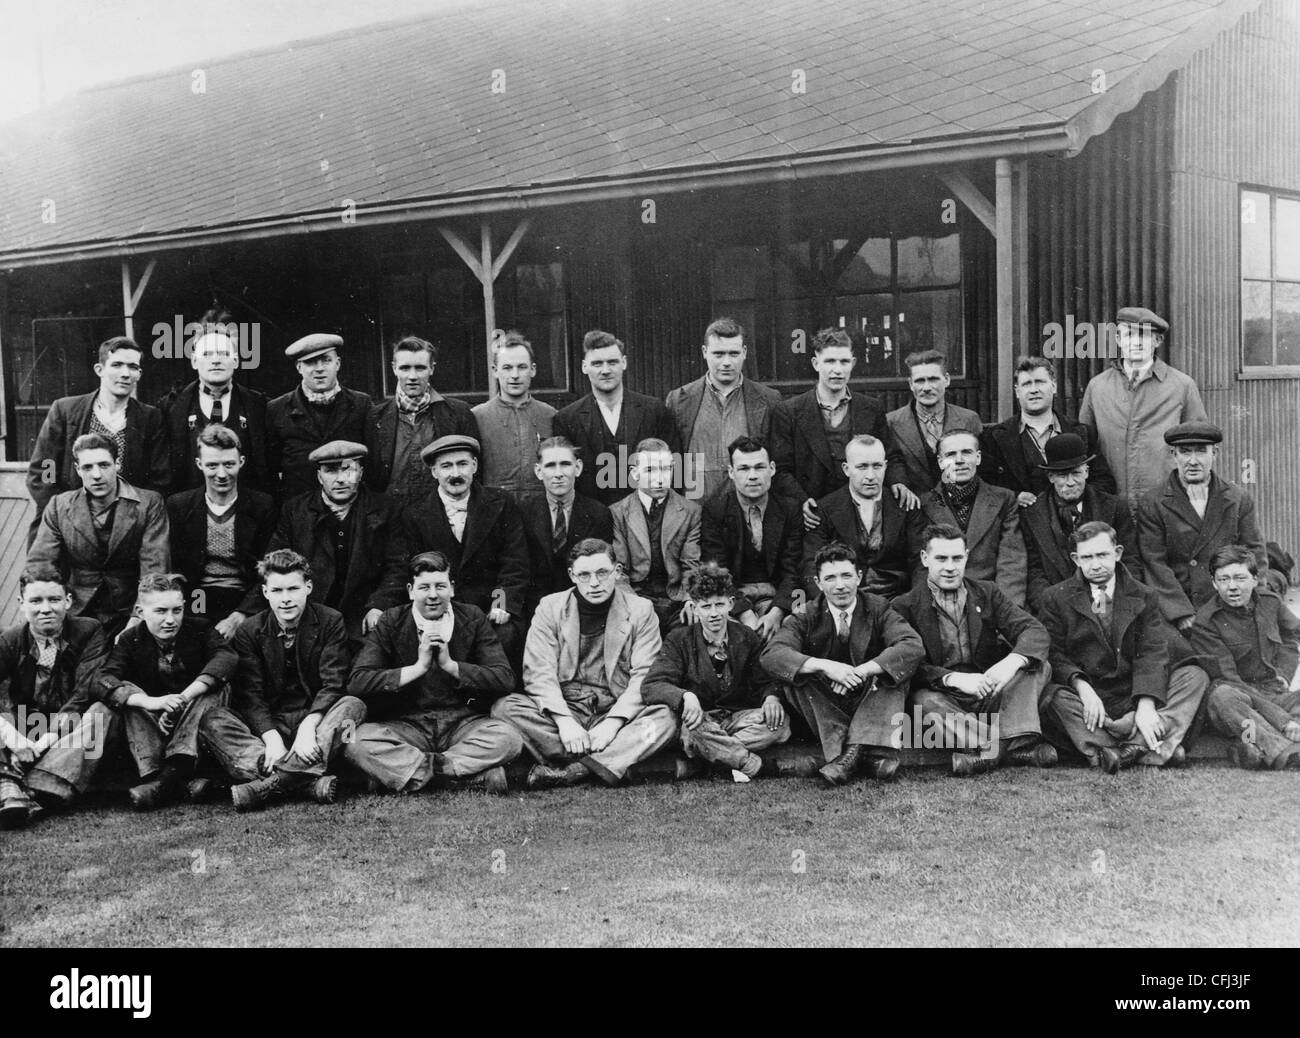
<point x="679" y="540"/>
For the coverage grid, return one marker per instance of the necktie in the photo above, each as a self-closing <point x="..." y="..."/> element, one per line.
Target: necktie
<point x="756" y="526"/>
<point x="47" y="654"/>
<point x="1101" y="605"/>
<point x="842" y="626"/>
<point x="560" y="532"/>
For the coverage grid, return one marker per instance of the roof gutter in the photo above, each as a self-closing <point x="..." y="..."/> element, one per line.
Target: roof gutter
<point x="1057" y="139"/>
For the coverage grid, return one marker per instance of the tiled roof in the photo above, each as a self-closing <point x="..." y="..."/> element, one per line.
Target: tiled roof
<point x="593" y="91"/>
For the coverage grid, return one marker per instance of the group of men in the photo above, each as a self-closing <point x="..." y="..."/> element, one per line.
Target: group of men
<point x="411" y="593"/>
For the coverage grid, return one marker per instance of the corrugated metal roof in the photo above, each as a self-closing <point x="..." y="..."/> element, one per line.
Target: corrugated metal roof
<point x="592" y="91"/>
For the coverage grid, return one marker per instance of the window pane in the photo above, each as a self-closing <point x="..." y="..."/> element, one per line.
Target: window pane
<point x="929" y="261"/>
<point x="1288" y="239"/>
<point x="933" y="321"/>
<point x="1256" y="221"/>
<point x="869" y="268"/>
<point x="1256" y="323"/>
<point x="868" y="320"/>
<point x="738" y="272"/>
<point x="540" y="288"/>
<point x="1287" y="316"/>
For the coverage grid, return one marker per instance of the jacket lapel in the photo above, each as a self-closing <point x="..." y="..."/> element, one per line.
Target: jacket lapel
<point x="809" y="420"/>
<point x="674" y="517"/>
<point x="1012" y="449"/>
<point x="755" y="406"/>
<point x="983" y="513"/>
<point x="480" y="517"/>
<point x="773" y="528"/>
<point x="704" y="672"/>
<point x="1215" y="508"/>
<point x="974" y="616"/>
<point x="639" y="529"/>
<point x="125" y="519"/>
<point x="908" y="432"/>
<point x="926" y="619"/>
<point x="618" y="628"/>
<point x="1175" y="499"/>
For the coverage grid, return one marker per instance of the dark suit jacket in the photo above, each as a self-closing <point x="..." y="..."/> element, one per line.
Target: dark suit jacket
<point x="724" y="529"/>
<point x="376" y="576"/>
<point x="549" y="570"/>
<point x="70" y="689"/>
<point x="1133" y="662"/>
<point x="450" y="418"/>
<point x="887" y="572"/>
<point x="684" y="665"/>
<point x="321" y="657"/>
<point x="920" y="468"/>
<point x="53" y="469"/>
<point x="996" y="626"/>
<point x="684" y="402"/>
<point x="493" y="553"/>
<point x="132" y="664"/>
<point x="394" y="643"/>
<point x="643" y="417"/>
<point x="138" y="545"/>
<point x="187" y="514"/>
<point x="1278" y="643"/>
<point x="875" y="632"/>
<point x="1004" y="462"/>
<point x="292" y="434"/>
<point x="1048" y="548"/>
<point x="995" y="546"/>
<point x="804" y="465"/>
<point x="249" y="424"/>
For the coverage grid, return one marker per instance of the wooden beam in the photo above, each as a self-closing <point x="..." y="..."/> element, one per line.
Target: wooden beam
<point x="489" y="299"/>
<point x="1005" y="344"/>
<point x="4" y="407"/>
<point x="462" y="250"/>
<point x="131" y="296"/>
<point x="1025" y="341"/>
<point x="512" y="243"/>
<point x="972" y="198"/>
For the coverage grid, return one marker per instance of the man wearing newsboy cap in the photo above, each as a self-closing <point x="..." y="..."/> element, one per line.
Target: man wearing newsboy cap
<point x="317" y="411"/>
<point x="1133" y="402"/>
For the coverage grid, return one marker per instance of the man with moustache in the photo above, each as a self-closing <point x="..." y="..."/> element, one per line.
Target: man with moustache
<point x="756" y="536"/>
<point x="103" y="537"/>
<point x="1131" y="404"/>
<point x="844" y="664"/>
<point x="887" y="539"/>
<point x="984" y="657"/>
<point x="1181" y="525"/>
<point x="657" y="534"/>
<point x="558" y="520"/>
<point x="1014" y="451"/>
<point x="917" y="427"/>
<point x="1117" y="700"/>
<point x="110" y="411"/>
<point x="47" y="664"/>
<point x="289" y="715"/>
<point x="810" y="431"/>
<point x="214" y="396"/>
<point x="1070" y="501"/>
<point x="399" y="428"/>
<point x="721" y="406"/>
<point x="986" y="515"/>
<point x="480" y="530"/>
<point x="427" y="674"/>
<point x="606" y="423"/>
<point x="219" y="533"/>
<point x="163" y="676"/>
<point x="512" y="425"/>
<point x="588" y="652"/>
<point x="317" y="411"/>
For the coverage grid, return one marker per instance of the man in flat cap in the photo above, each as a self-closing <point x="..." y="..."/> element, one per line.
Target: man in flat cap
<point x="481" y="530"/>
<point x="351" y="536"/>
<point x="1071" y="500"/>
<point x="1182" y="524"/>
<point x="317" y="411"/>
<point x="1131" y="404"/>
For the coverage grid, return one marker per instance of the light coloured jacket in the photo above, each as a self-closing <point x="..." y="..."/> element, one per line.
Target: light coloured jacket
<point x="680" y="540"/>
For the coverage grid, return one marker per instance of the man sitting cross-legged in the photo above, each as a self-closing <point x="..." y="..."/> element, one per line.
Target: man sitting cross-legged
<point x="587" y="654"/>
<point x="968" y="674"/>
<point x="708" y="673"/>
<point x="845" y="662"/>
<point x="293" y="664"/>
<point x="426" y="673"/>
<point x="1117" y="701"/>
<point x="1246" y="639"/>
<point x="163" y="676"/>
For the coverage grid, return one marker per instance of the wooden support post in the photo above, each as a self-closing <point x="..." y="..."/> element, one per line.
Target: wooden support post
<point x="1006" y="289"/>
<point x="131" y="297"/>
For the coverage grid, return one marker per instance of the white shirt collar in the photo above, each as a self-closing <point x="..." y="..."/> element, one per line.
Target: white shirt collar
<point x="1109" y="589"/>
<point x="444" y="626"/>
<point x="450" y="504"/>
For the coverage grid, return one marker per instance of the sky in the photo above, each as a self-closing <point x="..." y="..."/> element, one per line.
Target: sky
<point x="67" y="45"/>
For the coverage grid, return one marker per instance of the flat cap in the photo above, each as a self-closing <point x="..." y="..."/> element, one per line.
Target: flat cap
<point x="1141" y="315"/>
<point x="1191" y="434"/>
<point x="338" y="450"/>
<point x="443" y="444"/>
<point x="310" y="345"/>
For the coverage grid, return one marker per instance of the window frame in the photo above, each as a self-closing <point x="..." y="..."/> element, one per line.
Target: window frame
<point x="1262" y="372"/>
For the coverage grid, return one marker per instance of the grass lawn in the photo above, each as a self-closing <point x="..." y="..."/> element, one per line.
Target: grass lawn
<point x="1202" y="856"/>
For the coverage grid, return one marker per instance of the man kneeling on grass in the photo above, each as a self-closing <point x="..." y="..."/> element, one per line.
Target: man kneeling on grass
<point x="588" y="651"/>
<point x="163" y="676"/>
<point x="845" y="663"/>
<point x="985" y="665"/>
<point x="426" y="672"/>
<point x="1246" y="639"/>
<point x="293" y="665"/>
<point x="708" y="673"/>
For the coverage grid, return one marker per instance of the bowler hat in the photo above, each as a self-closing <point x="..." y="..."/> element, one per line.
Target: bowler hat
<point x="1065" y="452"/>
